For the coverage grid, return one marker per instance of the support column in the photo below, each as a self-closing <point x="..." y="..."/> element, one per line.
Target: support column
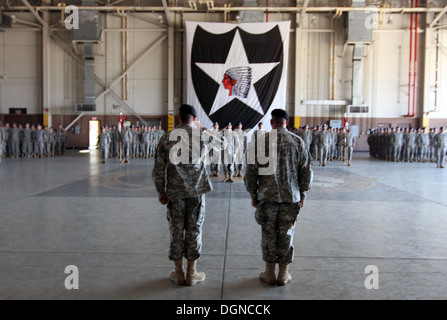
<point x="170" y="77"/>
<point x="298" y="68"/>
<point x="431" y="75"/>
<point x="46" y="72"/>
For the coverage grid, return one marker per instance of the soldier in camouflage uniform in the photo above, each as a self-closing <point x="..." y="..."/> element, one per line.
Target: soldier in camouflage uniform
<point x="2" y="140"/>
<point x="278" y="196"/>
<point x="154" y="141"/>
<point x="423" y="143"/>
<point x="341" y="138"/>
<point x="14" y="141"/>
<point x="240" y="149"/>
<point x="38" y="142"/>
<point x="126" y="139"/>
<point x="441" y="145"/>
<point x="228" y="152"/>
<point x="432" y="147"/>
<point x="183" y="187"/>
<point x="307" y="136"/>
<point x="350" y="142"/>
<point x="62" y="141"/>
<point x="398" y="140"/>
<point x="324" y="142"/>
<point x="27" y="146"/>
<point x="215" y="152"/>
<point x="146" y="139"/>
<point x="104" y="142"/>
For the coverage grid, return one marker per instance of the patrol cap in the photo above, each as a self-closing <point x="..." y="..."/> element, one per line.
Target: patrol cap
<point x="186" y="108"/>
<point x="280" y="113"/>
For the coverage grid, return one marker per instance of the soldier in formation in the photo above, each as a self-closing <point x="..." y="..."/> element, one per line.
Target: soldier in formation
<point x="31" y="141"/>
<point x="104" y="142"/>
<point x="231" y="153"/>
<point x="228" y="154"/>
<point x="278" y="197"/>
<point x="240" y="149"/>
<point x="328" y="144"/>
<point x="132" y="142"/>
<point x="214" y="154"/>
<point x="440" y="142"/>
<point x="407" y="145"/>
<point x="182" y="187"/>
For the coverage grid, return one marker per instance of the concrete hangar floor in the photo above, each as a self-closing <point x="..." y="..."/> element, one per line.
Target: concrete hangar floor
<point x="375" y="218"/>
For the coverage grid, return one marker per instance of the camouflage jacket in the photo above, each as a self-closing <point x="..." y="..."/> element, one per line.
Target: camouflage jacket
<point x="350" y="139"/>
<point x="441" y="140"/>
<point x="182" y="180"/>
<point x="292" y="175"/>
<point x="324" y="138"/>
<point x="307" y="136"/>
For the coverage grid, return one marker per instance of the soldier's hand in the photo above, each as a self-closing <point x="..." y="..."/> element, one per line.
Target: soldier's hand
<point x="301" y="203"/>
<point x="254" y="203"/>
<point x="162" y="198"/>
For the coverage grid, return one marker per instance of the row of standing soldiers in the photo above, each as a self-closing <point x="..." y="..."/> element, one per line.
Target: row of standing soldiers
<point x="328" y="144"/>
<point x="131" y="142"/>
<point x="408" y="144"/>
<point x="325" y="144"/>
<point x="232" y="153"/>
<point x="31" y="141"/>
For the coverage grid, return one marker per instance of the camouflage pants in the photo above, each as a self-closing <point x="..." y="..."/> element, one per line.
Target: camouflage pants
<point x="440" y="158"/>
<point x="126" y="150"/>
<point x="349" y="153"/>
<point x="104" y="152"/>
<point x="324" y="152"/>
<point x="278" y="227"/>
<point x="186" y="218"/>
<point x="214" y="167"/>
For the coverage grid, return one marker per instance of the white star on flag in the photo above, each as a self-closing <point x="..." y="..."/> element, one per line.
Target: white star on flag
<point x="234" y="59"/>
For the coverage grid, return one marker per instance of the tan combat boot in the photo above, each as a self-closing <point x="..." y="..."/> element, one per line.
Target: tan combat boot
<point x="178" y="276"/>
<point x="284" y="277"/>
<point x="268" y="276"/>
<point x="192" y="276"/>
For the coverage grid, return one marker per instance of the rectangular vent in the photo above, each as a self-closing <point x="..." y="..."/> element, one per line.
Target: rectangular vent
<point x="358" y="109"/>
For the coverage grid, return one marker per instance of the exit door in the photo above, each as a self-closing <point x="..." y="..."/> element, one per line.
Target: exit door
<point x="93" y="133"/>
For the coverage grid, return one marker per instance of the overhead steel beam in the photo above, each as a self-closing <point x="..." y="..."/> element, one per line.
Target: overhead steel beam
<point x="67" y="49"/>
<point x="439" y="16"/>
<point x="147" y="19"/>
<point x="303" y="12"/>
<point x="34" y="12"/>
<point x="234" y="9"/>
<point x="74" y="121"/>
<point x="117" y="97"/>
<point x="167" y="13"/>
<point x="131" y="66"/>
<point x="26" y="22"/>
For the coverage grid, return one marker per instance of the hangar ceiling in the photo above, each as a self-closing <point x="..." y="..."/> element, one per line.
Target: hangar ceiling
<point x="227" y="5"/>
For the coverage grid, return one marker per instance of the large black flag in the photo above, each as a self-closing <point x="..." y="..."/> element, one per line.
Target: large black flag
<point x="237" y="73"/>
